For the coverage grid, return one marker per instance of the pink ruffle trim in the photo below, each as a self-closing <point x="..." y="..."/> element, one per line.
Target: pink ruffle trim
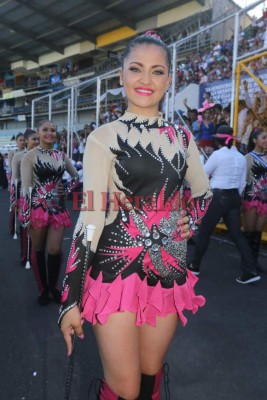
<point x="134" y="295"/>
<point x="261" y="208"/>
<point x="41" y="219"/>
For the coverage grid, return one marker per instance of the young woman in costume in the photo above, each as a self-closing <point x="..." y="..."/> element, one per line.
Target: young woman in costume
<point x="20" y="141"/>
<point x="43" y="208"/>
<point x="255" y="194"/>
<point x="137" y="286"/>
<point x="31" y="140"/>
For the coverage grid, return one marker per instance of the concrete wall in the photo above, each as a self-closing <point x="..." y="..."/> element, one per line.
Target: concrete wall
<point x="225" y="30"/>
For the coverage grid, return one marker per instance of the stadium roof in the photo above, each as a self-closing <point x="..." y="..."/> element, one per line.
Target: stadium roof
<point x="32" y="29"/>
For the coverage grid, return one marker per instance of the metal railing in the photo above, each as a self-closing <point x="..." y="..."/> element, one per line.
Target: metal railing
<point x="68" y="99"/>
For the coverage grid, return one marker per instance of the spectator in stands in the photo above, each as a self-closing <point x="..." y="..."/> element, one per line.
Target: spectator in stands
<point x="208" y="101"/>
<point x="62" y="143"/>
<point x="6" y="162"/>
<point x="218" y="117"/>
<point x="79" y="167"/>
<point x="242" y="115"/>
<point x="207" y="129"/>
<point x="193" y="121"/>
<point x="75" y="149"/>
<point x="203" y="78"/>
<point x="82" y="143"/>
<point x="57" y="141"/>
<point x="88" y="128"/>
<point x="216" y="49"/>
<point x="226" y="168"/>
<point x="255" y="194"/>
<point x="249" y="125"/>
<point x="195" y="124"/>
<point x="258" y="104"/>
<point x="227" y="114"/>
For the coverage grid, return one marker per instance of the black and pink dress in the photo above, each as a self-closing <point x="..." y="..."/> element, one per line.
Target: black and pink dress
<point x="134" y="169"/>
<point x="42" y="170"/>
<point x="255" y="194"/>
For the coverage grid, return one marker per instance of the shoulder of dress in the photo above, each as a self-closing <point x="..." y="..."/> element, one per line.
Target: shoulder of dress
<point x="103" y="134"/>
<point x="30" y="153"/>
<point x="184" y="133"/>
<point x="18" y="156"/>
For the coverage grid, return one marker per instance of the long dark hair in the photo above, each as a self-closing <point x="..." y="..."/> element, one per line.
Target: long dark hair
<point x="256" y="132"/>
<point x="18" y="135"/>
<point x="29" y="132"/>
<point x="150" y="37"/>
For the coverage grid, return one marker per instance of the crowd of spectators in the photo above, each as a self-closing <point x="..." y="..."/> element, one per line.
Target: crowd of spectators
<point x="215" y="62"/>
<point x="205" y="121"/>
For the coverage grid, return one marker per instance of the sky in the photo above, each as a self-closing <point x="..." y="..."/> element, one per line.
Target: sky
<point x="255" y="11"/>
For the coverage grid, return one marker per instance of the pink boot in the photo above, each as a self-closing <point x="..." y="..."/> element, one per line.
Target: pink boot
<point x="106" y="393"/>
<point x="23" y="246"/>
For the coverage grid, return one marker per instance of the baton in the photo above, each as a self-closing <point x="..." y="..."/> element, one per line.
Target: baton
<point x="89" y="235"/>
<point x="15" y="221"/>
<point x="28" y="264"/>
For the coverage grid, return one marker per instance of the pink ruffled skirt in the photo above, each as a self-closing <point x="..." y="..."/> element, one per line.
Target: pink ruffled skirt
<point x="261" y="207"/>
<point x="41" y="219"/>
<point x="134" y="295"/>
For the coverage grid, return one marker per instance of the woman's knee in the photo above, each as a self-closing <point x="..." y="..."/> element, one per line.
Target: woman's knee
<point x="151" y="370"/>
<point x="54" y="250"/>
<point x="124" y="381"/>
<point x="54" y="241"/>
<point x="128" y="389"/>
<point x="37" y="245"/>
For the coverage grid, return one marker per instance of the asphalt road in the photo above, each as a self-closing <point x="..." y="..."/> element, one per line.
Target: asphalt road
<point x="220" y="354"/>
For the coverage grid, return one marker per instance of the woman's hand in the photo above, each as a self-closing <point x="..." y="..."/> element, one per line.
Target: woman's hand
<point x="184" y="225"/>
<point x="71" y="324"/>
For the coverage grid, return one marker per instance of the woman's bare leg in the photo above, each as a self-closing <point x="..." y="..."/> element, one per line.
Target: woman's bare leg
<point x="127" y="350"/>
<point x="38" y="238"/>
<point x="54" y="240"/>
<point x="155" y="342"/>
<point x="119" y="348"/>
<point x="54" y="260"/>
<point x="260" y="222"/>
<point x="250" y="220"/>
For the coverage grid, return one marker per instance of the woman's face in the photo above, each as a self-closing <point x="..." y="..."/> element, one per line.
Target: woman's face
<point x="145" y="77"/>
<point x="261" y="141"/>
<point x="20" y="142"/>
<point x="32" y="141"/>
<point x="47" y="134"/>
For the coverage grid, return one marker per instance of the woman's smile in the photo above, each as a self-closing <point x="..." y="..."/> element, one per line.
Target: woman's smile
<point x="144" y="91"/>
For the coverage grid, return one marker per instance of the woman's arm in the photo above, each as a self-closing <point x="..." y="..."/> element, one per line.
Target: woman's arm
<point x="201" y="194"/>
<point x="97" y="165"/>
<point x="74" y="176"/>
<point x="14" y="179"/>
<point x="249" y="160"/>
<point x="26" y="170"/>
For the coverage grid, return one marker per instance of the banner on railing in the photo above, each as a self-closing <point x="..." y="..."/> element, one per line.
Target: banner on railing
<point x="221" y="90"/>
